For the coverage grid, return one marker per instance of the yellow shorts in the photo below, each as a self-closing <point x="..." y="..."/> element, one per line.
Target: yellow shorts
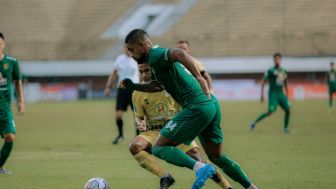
<point x="151" y="137"/>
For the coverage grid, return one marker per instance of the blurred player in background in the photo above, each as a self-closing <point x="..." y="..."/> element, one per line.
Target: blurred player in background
<point x="9" y="72"/>
<point x="124" y="67"/>
<point x="152" y="111"/>
<point x="177" y="72"/>
<point x="331" y="80"/>
<point x="277" y="79"/>
<point x="185" y="45"/>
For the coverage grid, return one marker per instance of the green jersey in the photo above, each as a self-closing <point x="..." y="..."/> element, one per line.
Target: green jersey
<point x="9" y="71"/>
<point x="175" y="78"/>
<point x="331" y="78"/>
<point x="276" y="78"/>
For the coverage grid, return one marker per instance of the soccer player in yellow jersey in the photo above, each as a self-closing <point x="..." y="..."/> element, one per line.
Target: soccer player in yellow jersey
<point x="185" y="45"/>
<point x="152" y="111"/>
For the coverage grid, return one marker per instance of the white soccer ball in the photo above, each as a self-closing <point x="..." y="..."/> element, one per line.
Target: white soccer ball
<point x="97" y="183"/>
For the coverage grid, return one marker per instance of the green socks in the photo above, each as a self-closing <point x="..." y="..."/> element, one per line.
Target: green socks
<point x="286" y="119"/>
<point x="233" y="170"/>
<point x="173" y="156"/>
<point x="262" y="116"/>
<point x="5" y="152"/>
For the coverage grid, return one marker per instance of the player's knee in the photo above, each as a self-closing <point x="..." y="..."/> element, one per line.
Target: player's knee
<point x="135" y="148"/>
<point x="9" y="138"/>
<point x="195" y="154"/>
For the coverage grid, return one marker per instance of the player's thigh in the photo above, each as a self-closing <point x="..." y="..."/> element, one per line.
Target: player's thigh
<point x="213" y="132"/>
<point x="284" y="102"/>
<point x="188" y="124"/>
<point x="272" y="102"/>
<point x="7" y="124"/>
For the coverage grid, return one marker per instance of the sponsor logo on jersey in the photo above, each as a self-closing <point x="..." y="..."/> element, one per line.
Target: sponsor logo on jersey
<point x="146" y="101"/>
<point x="3" y="81"/>
<point x="5" y="66"/>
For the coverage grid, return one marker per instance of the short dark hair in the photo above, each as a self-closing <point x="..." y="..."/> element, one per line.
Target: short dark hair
<point x="183" y="41"/>
<point x="2" y="36"/>
<point x="135" y="35"/>
<point x="332" y="63"/>
<point x="277" y="55"/>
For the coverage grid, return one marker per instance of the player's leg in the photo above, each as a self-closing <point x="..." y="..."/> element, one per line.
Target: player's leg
<point x="183" y="128"/>
<point x="272" y="106"/>
<point x="7" y="131"/>
<point x="331" y="92"/>
<point x="194" y="152"/>
<point x="121" y="107"/>
<point x="140" y="148"/>
<point x="211" y="139"/>
<point x="285" y="105"/>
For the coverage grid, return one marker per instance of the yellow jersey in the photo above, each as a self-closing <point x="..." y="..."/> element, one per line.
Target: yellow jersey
<point x="156" y="108"/>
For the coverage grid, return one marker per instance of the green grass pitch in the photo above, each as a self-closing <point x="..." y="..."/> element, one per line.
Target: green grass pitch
<point x="62" y="145"/>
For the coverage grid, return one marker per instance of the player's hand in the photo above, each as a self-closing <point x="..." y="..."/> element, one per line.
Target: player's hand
<point x="204" y="86"/>
<point x="21" y="108"/>
<point x="141" y="125"/>
<point x="126" y="84"/>
<point x="107" y="91"/>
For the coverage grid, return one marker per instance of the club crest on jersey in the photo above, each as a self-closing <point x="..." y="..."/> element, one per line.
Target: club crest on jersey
<point x="161" y="109"/>
<point x="5" y="66"/>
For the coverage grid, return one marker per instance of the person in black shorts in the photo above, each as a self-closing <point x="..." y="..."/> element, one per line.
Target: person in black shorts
<point x="124" y="67"/>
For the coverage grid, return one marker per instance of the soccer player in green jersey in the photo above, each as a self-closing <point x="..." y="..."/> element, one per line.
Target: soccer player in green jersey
<point x="277" y="79"/>
<point x="9" y="72"/>
<point x="176" y="71"/>
<point x="331" y="80"/>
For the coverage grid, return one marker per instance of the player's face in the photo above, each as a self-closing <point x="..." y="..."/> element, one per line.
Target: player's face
<point x="137" y="51"/>
<point x="144" y="71"/>
<point x="183" y="46"/>
<point x="332" y="67"/>
<point x="277" y="61"/>
<point x="2" y="45"/>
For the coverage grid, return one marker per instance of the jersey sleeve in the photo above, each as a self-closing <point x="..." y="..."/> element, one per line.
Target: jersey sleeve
<point x="137" y="107"/>
<point x="16" y="74"/>
<point x="266" y="75"/>
<point x="160" y="58"/>
<point x="117" y="63"/>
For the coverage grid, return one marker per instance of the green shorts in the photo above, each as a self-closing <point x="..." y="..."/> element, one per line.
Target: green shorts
<point x="277" y="98"/>
<point x="7" y="124"/>
<point x="202" y="120"/>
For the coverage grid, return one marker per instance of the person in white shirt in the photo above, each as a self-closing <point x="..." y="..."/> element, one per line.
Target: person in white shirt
<point x="125" y="67"/>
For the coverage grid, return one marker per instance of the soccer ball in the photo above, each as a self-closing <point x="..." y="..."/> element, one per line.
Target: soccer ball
<point x="96" y="183"/>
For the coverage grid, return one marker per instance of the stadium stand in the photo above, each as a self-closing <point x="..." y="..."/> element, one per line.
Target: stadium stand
<point x="72" y="29"/>
<point x="240" y="28"/>
<point x="58" y="30"/>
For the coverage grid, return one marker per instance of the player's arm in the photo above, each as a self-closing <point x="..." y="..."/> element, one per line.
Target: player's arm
<point x="207" y="78"/>
<point x="189" y="62"/>
<point x="263" y="82"/>
<point x="150" y="86"/>
<point x="286" y="86"/>
<point x="110" y="81"/>
<point x="20" y="96"/>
